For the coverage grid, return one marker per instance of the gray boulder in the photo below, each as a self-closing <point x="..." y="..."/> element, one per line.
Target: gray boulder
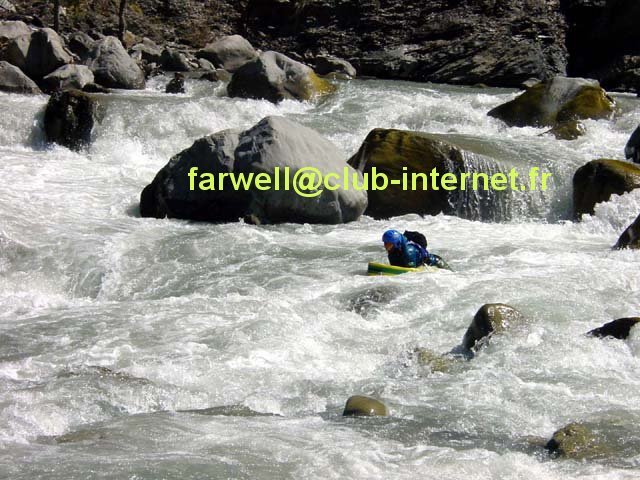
<point x="113" y="67"/>
<point x="273" y="142"/>
<point x="229" y="52"/>
<point x="630" y="238"/>
<point x="328" y="64"/>
<point x="81" y="45"/>
<point x="276" y="77"/>
<point x="174" y="61"/>
<point x="68" y="77"/>
<point x="490" y="319"/>
<point x="13" y="29"/>
<point x="632" y="149"/>
<point x="46" y="53"/>
<point x="556" y="101"/>
<point x="147" y="51"/>
<point x="14" y="81"/>
<point x="69" y="119"/>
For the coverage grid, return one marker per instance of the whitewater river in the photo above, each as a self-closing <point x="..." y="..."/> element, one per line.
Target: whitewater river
<point x="164" y="349"/>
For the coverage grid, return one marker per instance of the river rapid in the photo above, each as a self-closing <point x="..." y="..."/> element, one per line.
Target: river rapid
<point x="166" y="349"/>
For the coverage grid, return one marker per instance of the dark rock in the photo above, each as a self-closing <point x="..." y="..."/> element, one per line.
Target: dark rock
<point x="632" y="149"/>
<point x="328" y="64"/>
<point x="95" y="88"/>
<point x="230" y="52"/>
<point x="81" y="45"/>
<point x="68" y="77"/>
<point x="490" y="319"/>
<point x="575" y="441"/>
<point x="275" y="77"/>
<point x="619" y="328"/>
<point x="559" y="100"/>
<point x="69" y="119"/>
<point x="14" y="81"/>
<point x="113" y="67"/>
<point x="176" y="85"/>
<point x="273" y="143"/>
<point x="174" y="61"/>
<point x="596" y="181"/>
<point x="361" y="406"/>
<point x="630" y="238"/>
<point x="568" y="130"/>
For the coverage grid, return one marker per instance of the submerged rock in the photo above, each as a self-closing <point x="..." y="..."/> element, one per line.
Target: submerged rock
<point x="361" y="406"/>
<point x="619" y="328"/>
<point x="68" y="77"/>
<point x="568" y="130"/>
<point x="575" y="441"/>
<point x="596" y="181"/>
<point x="176" y="85"/>
<point x="13" y="80"/>
<point x="69" y="119"/>
<point x="230" y="53"/>
<point x="276" y="77"/>
<point x="490" y="319"/>
<point x="113" y="67"/>
<point x="559" y="100"/>
<point x="632" y="149"/>
<point x="435" y="362"/>
<point x="630" y="238"/>
<point x="273" y="143"/>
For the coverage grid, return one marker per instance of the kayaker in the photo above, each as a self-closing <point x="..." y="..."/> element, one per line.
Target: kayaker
<point x="406" y="253"/>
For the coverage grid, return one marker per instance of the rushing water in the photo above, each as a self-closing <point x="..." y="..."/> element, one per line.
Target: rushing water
<point x="148" y="349"/>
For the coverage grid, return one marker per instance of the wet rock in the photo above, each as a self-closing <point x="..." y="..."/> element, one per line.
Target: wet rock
<point x="370" y="300"/>
<point x="361" y="406"/>
<point x="113" y="67"/>
<point x="14" y="81"/>
<point x="275" y="77"/>
<point x="570" y="130"/>
<point x="69" y="119"/>
<point x="174" y="61"/>
<point x="490" y="319"/>
<point x="630" y="238"/>
<point x="176" y="85"/>
<point x="329" y="64"/>
<point x="434" y="361"/>
<point x="68" y="77"/>
<point x="230" y="53"/>
<point x="596" y="181"/>
<point x="619" y="328"/>
<point x="632" y="149"/>
<point x="575" y="441"/>
<point x="273" y="142"/>
<point x="95" y="88"/>
<point x="229" y="411"/>
<point x="559" y="100"/>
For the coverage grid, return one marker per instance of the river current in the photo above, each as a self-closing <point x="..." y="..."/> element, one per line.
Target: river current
<point x="166" y="349"/>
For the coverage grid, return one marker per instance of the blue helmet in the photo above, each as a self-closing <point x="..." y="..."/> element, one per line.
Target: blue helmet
<point x="393" y="237"/>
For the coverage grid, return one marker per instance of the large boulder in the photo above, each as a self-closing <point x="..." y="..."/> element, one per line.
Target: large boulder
<point x="147" y="51"/>
<point x="81" y="45"/>
<point x="230" y="53"/>
<point x="559" y="100"/>
<point x="36" y="53"/>
<point x="275" y="77"/>
<point x="619" y="328"/>
<point x="262" y="151"/>
<point x="113" y="67"/>
<point x="576" y="441"/>
<point x="630" y="238"/>
<point x="68" y="77"/>
<point x="14" y="81"/>
<point x="361" y="406"/>
<point x="596" y="181"/>
<point x="13" y="29"/>
<point x="399" y="154"/>
<point x="69" y="119"/>
<point x="175" y="61"/>
<point x="490" y="319"/>
<point x="632" y="149"/>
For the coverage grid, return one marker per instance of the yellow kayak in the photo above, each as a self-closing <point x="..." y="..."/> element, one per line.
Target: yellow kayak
<point x="386" y="269"/>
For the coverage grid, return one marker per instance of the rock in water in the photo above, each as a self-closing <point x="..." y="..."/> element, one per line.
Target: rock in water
<point x="69" y="119"/>
<point x="276" y="77"/>
<point x="630" y="238"/>
<point x="176" y="85"/>
<point x="596" y="181"/>
<point x="632" y="149"/>
<point x="14" y="81"/>
<point x="229" y="53"/>
<point x="568" y="130"/>
<point x="559" y="100"/>
<point x="361" y="406"/>
<point x="273" y="142"/>
<point x="491" y="318"/>
<point x="68" y="77"/>
<point x="328" y="64"/>
<point x="575" y="441"/>
<point x="619" y="328"/>
<point x="113" y="67"/>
